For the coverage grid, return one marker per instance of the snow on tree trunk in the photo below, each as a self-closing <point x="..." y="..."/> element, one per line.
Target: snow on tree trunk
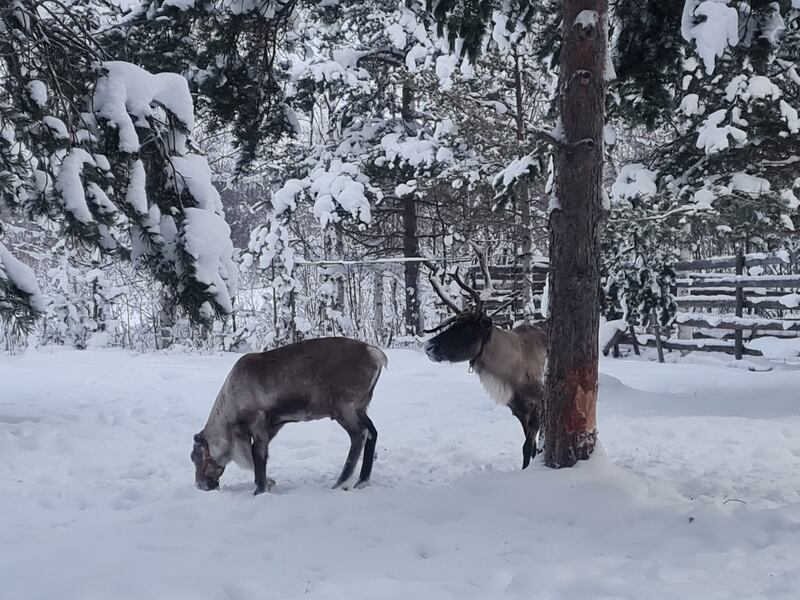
<point x="575" y="224"/>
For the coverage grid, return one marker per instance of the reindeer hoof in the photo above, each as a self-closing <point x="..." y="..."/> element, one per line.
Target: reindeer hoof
<point x="269" y="483"/>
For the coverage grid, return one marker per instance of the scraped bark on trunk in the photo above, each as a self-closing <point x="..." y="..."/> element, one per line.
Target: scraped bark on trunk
<point x="575" y="225"/>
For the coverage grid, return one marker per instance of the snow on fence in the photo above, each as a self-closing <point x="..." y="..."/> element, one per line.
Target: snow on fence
<point x="509" y="278"/>
<point x="712" y="303"/>
<point x="771" y="299"/>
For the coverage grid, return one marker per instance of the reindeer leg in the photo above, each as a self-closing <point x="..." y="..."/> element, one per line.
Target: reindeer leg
<point x="260" y="433"/>
<point x="259" y="451"/>
<point x="357" y="432"/>
<point x="533" y="429"/>
<point x="528" y="449"/>
<point x="272" y="432"/>
<point x="369" y="451"/>
<point x="521" y="410"/>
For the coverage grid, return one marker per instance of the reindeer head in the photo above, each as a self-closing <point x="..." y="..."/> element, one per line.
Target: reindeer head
<point x="463" y="336"/>
<point x="206" y="470"/>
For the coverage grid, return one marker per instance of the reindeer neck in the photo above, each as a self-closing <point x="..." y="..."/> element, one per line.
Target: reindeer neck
<point x="217" y="430"/>
<point x="496" y="357"/>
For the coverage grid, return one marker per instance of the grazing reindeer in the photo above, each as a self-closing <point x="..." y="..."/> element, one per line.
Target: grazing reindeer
<point x="510" y="364"/>
<point x="313" y="379"/>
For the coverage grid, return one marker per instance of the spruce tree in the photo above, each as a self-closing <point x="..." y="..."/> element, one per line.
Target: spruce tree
<point x="101" y="150"/>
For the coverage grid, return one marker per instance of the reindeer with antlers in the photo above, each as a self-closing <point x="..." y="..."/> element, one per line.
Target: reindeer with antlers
<point x="509" y="364"/>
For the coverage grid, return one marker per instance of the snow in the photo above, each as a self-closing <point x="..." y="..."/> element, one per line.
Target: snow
<point x="703" y="198"/>
<point x="414" y="150"/>
<point x="757" y="86"/>
<point x="127" y="95"/>
<point x="286" y="197"/>
<point x="194" y="173"/>
<point x="414" y="55"/>
<point x="516" y="170"/>
<point x="21" y="275"/>
<point x="773" y="26"/>
<point x="609" y="135"/>
<point x="713" y="25"/>
<point x="788" y="300"/>
<point x="334" y="187"/>
<point x="749" y="184"/>
<point x="608" y="329"/>
<point x="634" y="181"/>
<point x="56" y="127"/>
<point x="207" y="238"/>
<point x="137" y="194"/>
<point x="713" y="138"/>
<point x="777" y="348"/>
<point x="791" y="200"/>
<point x="717" y="318"/>
<point x="760" y="86"/>
<point x="397" y="35"/>
<point x="37" y="91"/>
<point x="179" y="4"/>
<point x="690" y="105"/>
<point x="691" y="495"/>
<point x="70" y="185"/>
<point x="586" y="19"/>
<point x="789" y="113"/>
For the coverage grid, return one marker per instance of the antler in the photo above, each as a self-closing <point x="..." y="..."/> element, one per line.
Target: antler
<point x="487" y="278"/>
<point x="473" y="293"/>
<point x="437" y="287"/>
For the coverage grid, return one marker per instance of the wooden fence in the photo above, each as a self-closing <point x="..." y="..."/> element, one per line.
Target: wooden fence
<point x="723" y="302"/>
<point x="509" y="278"/>
<point x="726" y="302"/>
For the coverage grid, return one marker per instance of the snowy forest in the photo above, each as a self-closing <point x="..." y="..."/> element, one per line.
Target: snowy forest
<point x="240" y="174"/>
<point x="577" y="216"/>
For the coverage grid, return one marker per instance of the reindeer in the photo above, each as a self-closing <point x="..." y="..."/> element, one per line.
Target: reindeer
<point x="509" y="364"/>
<point x="313" y="379"/>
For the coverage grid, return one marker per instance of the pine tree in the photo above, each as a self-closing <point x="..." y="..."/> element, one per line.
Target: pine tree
<point x="101" y="149"/>
<point x="732" y="166"/>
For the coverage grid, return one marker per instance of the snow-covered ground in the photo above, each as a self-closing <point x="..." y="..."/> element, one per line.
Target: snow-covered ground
<point x="695" y="493"/>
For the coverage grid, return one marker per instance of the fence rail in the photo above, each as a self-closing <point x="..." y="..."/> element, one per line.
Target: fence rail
<point x="738" y="291"/>
<point x="710" y="300"/>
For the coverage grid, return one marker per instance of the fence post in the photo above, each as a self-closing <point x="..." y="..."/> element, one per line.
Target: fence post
<point x="657" y="331"/>
<point x="739" y="338"/>
<point x="634" y="339"/>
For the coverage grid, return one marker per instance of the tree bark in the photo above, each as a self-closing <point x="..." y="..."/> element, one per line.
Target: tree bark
<point x="377" y="304"/>
<point x="410" y="241"/>
<point x="575" y="225"/>
<point x="523" y="197"/>
<point x="411" y="272"/>
<point x="739" y="338"/>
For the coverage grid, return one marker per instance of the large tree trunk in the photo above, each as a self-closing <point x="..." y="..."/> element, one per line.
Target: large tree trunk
<point x="410" y="241"/>
<point x="523" y="197"/>
<point x="575" y="224"/>
<point x="411" y="249"/>
<point x="377" y="304"/>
